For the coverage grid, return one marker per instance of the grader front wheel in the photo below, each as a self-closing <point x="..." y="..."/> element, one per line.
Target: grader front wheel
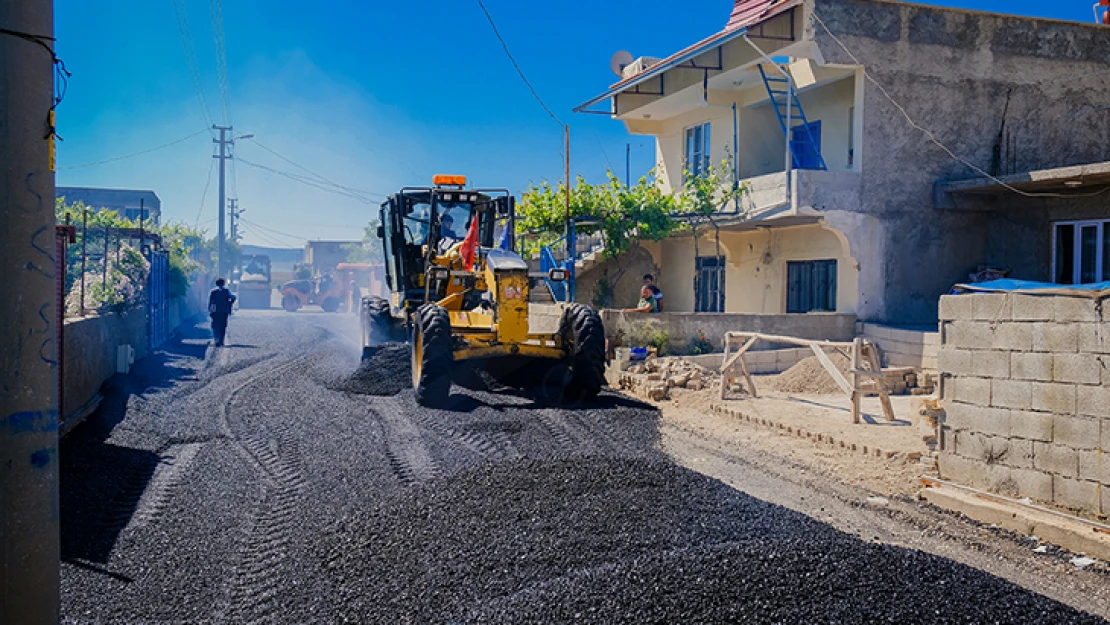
<point x="582" y="330"/>
<point x="431" y="355"/>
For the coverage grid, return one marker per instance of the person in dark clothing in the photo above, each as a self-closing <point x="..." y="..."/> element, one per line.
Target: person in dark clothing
<point x="649" y="282"/>
<point x="220" y="301"/>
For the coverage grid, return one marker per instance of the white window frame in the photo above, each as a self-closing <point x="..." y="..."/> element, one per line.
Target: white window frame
<point x="697" y="164"/>
<point x="1102" y="225"/>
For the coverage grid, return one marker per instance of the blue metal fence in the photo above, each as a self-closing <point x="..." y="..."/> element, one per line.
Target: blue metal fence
<point x="158" y="298"/>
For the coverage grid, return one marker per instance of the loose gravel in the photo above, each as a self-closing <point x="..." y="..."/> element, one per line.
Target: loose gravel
<point x="618" y="540"/>
<point x="299" y="500"/>
<point x="385" y="372"/>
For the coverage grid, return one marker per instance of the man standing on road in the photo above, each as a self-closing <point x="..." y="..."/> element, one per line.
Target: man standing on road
<point x="219" y="308"/>
<point x="356" y="293"/>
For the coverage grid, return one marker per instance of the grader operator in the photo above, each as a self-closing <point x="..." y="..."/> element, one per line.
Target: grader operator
<point x="462" y="302"/>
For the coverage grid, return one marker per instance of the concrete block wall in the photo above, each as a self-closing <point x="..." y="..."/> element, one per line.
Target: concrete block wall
<point x="90" y="352"/>
<point x="1025" y="381"/>
<point x="904" y="347"/>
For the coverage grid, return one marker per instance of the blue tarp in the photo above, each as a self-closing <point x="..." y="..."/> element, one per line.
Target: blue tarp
<point x="1008" y="284"/>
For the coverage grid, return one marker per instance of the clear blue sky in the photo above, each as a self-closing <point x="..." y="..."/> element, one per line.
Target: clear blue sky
<point x="371" y="94"/>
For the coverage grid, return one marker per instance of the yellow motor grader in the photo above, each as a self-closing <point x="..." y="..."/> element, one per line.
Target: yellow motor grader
<point x="463" y="301"/>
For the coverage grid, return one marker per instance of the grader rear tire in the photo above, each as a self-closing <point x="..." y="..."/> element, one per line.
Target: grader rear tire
<point x="582" y="330"/>
<point x="431" y="355"/>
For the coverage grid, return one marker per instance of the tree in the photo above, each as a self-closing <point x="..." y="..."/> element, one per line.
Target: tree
<point x="369" y="250"/>
<point x="625" y="215"/>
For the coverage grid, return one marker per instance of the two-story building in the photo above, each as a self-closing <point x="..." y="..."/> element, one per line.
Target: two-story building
<point x="890" y="150"/>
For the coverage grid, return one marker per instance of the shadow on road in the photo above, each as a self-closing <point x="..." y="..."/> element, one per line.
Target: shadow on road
<point x="101" y="483"/>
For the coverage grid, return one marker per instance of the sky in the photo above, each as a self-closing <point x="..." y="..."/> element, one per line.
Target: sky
<point x="371" y="95"/>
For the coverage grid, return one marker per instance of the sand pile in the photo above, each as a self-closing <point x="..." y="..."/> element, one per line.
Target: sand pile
<point x="810" y="377"/>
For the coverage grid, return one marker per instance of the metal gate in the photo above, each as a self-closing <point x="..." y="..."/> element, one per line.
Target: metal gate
<point x="158" y="298"/>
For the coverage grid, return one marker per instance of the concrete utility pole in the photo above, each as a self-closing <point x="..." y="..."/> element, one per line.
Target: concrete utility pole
<point x="234" y="213"/>
<point x="29" y="550"/>
<point x="221" y="237"/>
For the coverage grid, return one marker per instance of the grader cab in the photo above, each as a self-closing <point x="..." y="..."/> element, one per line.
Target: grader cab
<point x="462" y="301"/>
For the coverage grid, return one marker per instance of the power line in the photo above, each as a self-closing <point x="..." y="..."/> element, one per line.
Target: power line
<point x="191" y="60"/>
<point x="274" y="232"/>
<point x="220" y="42"/>
<point x="519" y="71"/>
<point x="204" y="196"/>
<point x="140" y="153"/>
<point x="928" y="133"/>
<point x="305" y="169"/>
<point x="313" y="183"/>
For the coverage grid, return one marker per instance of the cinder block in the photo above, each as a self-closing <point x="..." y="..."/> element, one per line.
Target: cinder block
<point x="971" y="445"/>
<point x="1031" y="366"/>
<point x="1078" y="368"/>
<point x="1019" y="454"/>
<point x="1033" y="308"/>
<point x="1094" y="338"/>
<point x="960" y="469"/>
<point x="1034" y="426"/>
<point x="980" y="419"/>
<point x="1104" y="425"/>
<point x="1013" y="336"/>
<point x="1106" y="501"/>
<point x="991" y="307"/>
<point x="1011" y="394"/>
<point x="1054" y="397"/>
<point x="991" y="364"/>
<point x="1056" y="459"/>
<point x="1055" y="337"/>
<point x="1094" y="401"/>
<point x="1033" y="484"/>
<point x="1077" y="432"/>
<point x="956" y="361"/>
<point x="969" y="334"/>
<point x="972" y="390"/>
<point x="954" y="307"/>
<point x="1075" y="494"/>
<point x="1075" y="309"/>
<point x="1090" y="465"/>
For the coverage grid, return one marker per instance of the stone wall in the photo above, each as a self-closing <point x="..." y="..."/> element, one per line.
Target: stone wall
<point x="682" y="327"/>
<point x="1026" y="390"/>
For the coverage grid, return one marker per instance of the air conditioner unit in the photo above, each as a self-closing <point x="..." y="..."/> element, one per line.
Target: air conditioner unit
<point x="639" y="66"/>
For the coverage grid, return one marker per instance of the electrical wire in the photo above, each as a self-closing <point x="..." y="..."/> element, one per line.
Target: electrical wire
<point x="312" y="183"/>
<point x="323" y="179"/>
<point x="140" y="153"/>
<point x="274" y="232"/>
<point x="191" y="61"/>
<point x="516" y="65"/>
<point x="220" y="42"/>
<point x="928" y="133"/>
<point x="204" y="196"/>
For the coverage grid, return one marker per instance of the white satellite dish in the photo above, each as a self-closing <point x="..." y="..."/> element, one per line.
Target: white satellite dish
<point x="620" y="60"/>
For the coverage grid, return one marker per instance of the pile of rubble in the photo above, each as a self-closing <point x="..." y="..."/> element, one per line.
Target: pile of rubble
<point x="907" y="380"/>
<point x="654" y="377"/>
<point x="927" y="414"/>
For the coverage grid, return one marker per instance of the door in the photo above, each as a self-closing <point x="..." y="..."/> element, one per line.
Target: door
<point x="710" y="284"/>
<point x="805" y="142"/>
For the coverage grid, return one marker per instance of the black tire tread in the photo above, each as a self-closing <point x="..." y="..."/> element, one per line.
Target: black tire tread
<point x="378" y="318"/>
<point x="434" y="326"/>
<point x="584" y="333"/>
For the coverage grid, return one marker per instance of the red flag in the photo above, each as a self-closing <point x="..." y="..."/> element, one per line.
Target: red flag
<point x="470" y="245"/>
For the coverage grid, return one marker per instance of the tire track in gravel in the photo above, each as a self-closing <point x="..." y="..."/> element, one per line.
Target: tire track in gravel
<point x="408" y="456"/>
<point x="271" y="449"/>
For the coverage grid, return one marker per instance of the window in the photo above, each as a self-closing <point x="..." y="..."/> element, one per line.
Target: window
<point x="1081" y="252"/>
<point x="697" y="149"/>
<point x="851" y="136"/>
<point x="810" y="286"/>
<point x="710" y="284"/>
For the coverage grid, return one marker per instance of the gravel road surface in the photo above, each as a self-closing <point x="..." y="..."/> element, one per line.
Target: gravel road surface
<point x="276" y="481"/>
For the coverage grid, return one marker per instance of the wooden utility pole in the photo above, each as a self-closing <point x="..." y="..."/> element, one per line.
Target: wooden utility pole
<point x="29" y="546"/>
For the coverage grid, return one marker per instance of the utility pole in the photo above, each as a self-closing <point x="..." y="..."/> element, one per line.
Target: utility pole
<point x="221" y="237"/>
<point x="29" y="547"/>
<point x="234" y="214"/>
